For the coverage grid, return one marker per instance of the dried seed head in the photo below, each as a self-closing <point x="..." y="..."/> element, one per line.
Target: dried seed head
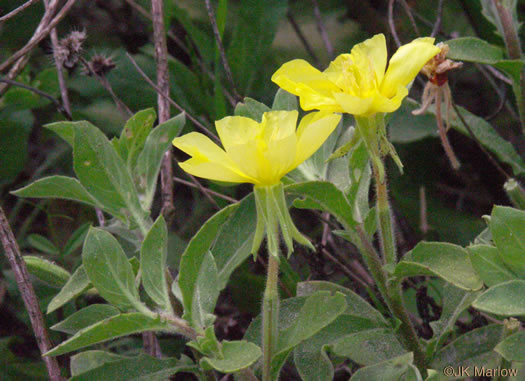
<point x="68" y="49"/>
<point x="100" y="65"/>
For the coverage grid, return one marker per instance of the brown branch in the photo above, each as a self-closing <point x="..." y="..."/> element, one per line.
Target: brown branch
<point x="206" y="192"/>
<point x="218" y="40"/>
<point x="161" y="59"/>
<point x="391" y="22"/>
<point x="344" y="268"/>
<point x="12" y="252"/>
<point x="209" y="191"/>
<point x="302" y="38"/>
<point x="55" y="101"/>
<point x="41" y="32"/>
<point x="408" y="11"/>
<point x="322" y="30"/>
<point x="16" y="11"/>
<point x="175" y="104"/>
<point x="183" y="47"/>
<point x="124" y="110"/>
<point x="437" y="25"/>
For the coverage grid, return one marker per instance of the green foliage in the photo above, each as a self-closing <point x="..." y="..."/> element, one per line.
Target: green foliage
<point x="210" y="292"/>
<point x="110" y="328"/>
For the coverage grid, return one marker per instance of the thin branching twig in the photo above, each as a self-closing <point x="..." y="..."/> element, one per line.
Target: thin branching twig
<point x="302" y="38"/>
<point x="183" y="47"/>
<point x="408" y="11"/>
<point x="14" y="256"/>
<point x="392" y="24"/>
<point x="161" y="59"/>
<point x="41" y="32"/>
<point x="124" y="110"/>
<point x="16" y="11"/>
<point x="437" y="24"/>
<point x="322" y="30"/>
<point x="55" y="101"/>
<point x="172" y="102"/>
<point x="218" y="40"/>
<point x="209" y="191"/>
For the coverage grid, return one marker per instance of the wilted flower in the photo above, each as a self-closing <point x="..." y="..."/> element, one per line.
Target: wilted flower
<point x="437" y="91"/>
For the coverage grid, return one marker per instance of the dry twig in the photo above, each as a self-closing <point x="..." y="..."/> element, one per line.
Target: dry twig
<point x="16" y="11"/>
<point x="12" y="252"/>
<point x="322" y="30"/>
<point x="218" y="40"/>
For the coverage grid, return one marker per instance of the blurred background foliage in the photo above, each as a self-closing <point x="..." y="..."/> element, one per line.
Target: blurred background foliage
<point x="258" y="37"/>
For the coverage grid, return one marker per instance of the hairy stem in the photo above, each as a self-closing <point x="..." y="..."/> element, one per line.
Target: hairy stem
<point x="270" y="316"/>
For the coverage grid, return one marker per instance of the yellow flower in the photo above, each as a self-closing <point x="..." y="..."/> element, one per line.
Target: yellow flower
<point x="258" y="153"/>
<point x="357" y="83"/>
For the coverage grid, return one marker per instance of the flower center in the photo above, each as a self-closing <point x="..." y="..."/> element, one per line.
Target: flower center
<point x="358" y="77"/>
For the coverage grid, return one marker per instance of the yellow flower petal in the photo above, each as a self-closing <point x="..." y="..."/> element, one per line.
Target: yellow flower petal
<point x="236" y="130"/>
<point x="208" y="159"/>
<point x="212" y="171"/>
<point x="300" y="78"/>
<point x="354" y="105"/>
<point x="406" y="63"/>
<point x="384" y="104"/>
<point x="375" y="49"/>
<point x="312" y="132"/>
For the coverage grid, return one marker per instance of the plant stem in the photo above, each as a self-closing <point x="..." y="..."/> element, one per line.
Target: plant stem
<point x="12" y="252"/>
<point x="270" y="316"/>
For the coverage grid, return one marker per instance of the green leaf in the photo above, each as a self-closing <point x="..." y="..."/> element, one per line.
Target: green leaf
<point x="150" y="159"/>
<point x="103" y="173"/>
<point x="318" y="311"/>
<point x="403" y="127"/>
<point x="370" y="346"/>
<point x="356" y="306"/>
<point x="109" y="270"/>
<point x="76" y="240"/>
<point x="251" y="109"/>
<point x="284" y="101"/>
<point x="489" y="265"/>
<point x="313" y="350"/>
<point x="447" y="261"/>
<point x="140" y="368"/>
<point x="84" y="361"/>
<point x="397" y="368"/>
<point x="46" y="271"/>
<point x="153" y="266"/>
<point x="505" y="299"/>
<point x="488" y="136"/>
<point x="134" y="134"/>
<point x="513" y="347"/>
<point x="358" y="316"/>
<point x="474" y="348"/>
<point x="491" y="14"/>
<point x="15" y="367"/>
<point x="66" y="130"/>
<point x="42" y="244"/>
<point x="111" y="328"/>
<point x="233" y="241"/>
<point x="508" y="232"/>
<point x="455" y="301"/>
<point x="75" y="286"/>
<point x="236" y="355"/>
<point x="63" y="187"/>
<point x="256" y="25"/>
<point x="85" y="317"/>
<point x="323" y="196"/>
<point x="472" y="49"/>
<point x="198" y="276"/>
